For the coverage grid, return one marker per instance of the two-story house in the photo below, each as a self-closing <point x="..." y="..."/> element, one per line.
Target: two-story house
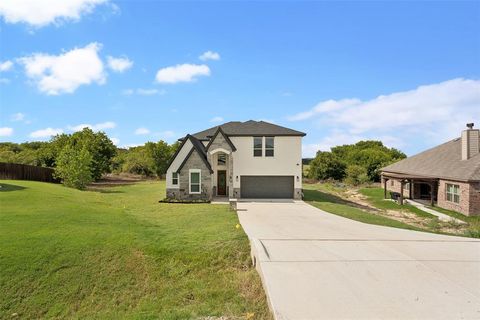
<point x="252" y="159"/>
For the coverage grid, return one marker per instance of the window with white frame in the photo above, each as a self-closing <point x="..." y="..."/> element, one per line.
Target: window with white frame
<point x="257" y="146"/>
<point x="453" y="192"/>
<point x="269" y="146"/>
<point x="194" y="183"/>
<point x="175" y="178"/>
<point x="222" y="159"/>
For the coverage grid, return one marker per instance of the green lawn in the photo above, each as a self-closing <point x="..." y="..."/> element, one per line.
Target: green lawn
<point x="336" y="205"/>
<point x="375" y="196"/>
<point x="473" y="222"/>
<point x="120" y="254"/>
<point x="328" y="197"/>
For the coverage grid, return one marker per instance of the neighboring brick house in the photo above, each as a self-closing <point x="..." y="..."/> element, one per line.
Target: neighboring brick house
<point x="447" y="176"/>
<point x="252" y="159"/>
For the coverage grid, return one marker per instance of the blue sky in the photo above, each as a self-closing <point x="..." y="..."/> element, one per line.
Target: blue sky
<point x="404" y="72"/>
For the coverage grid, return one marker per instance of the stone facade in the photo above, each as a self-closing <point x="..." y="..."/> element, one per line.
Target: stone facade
<point x="469" y="195"/>
<point x="182" y="193"/>
<point x="221" y="143"/>
<point x="298" y="194"/>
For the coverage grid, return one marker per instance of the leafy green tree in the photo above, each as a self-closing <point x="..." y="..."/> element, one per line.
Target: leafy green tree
<point x="100" y="147"/>
<point x="325" y="166"/>
<point x="74" y="167"/>
<point x="370" y="155"/>
<point x="356" y="175"/>
<point x="138" y="161"/>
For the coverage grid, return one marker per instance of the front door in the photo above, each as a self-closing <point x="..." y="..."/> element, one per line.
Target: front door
<point x="222" y="183"/>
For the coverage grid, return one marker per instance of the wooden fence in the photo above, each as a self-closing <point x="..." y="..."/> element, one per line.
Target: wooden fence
<point x="17" y="171"/>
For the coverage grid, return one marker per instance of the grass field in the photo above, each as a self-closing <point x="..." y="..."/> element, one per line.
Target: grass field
<point x="331" y="198"/>
<point x="336" y="205"/>
<point x="376" y="197"/>
<point x="120" y="254"/>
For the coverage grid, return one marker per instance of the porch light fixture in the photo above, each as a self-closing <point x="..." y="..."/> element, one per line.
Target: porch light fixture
<point x="298" y="178"/>
<point x="236" y="178"/>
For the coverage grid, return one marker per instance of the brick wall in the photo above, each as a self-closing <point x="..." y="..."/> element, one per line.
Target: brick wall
<point x="394" y="186"/>
<point x="469" y="197"/>
<point x="475" y="199"/>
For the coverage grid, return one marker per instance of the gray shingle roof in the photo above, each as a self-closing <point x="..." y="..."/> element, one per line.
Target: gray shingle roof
<point x="443" y="161"/>
<point x="248" y="128"/>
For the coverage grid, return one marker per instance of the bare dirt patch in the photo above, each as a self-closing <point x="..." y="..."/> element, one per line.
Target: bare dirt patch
<point x="354" y="196"/>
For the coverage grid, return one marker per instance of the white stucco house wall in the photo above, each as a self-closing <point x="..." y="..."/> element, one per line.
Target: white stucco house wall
<point x="252" y="159"/>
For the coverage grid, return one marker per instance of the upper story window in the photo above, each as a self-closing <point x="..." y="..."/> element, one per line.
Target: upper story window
<point x="453" y="192"/>
<point x="269" y="146"/>
<point x="222" y="159"/>
<point x="175" y="178"/>
<point x="257" y="146"/>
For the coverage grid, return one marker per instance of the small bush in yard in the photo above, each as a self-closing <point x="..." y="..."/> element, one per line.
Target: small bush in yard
<point x="74" y="167"/>
<point x="356" y="175"/>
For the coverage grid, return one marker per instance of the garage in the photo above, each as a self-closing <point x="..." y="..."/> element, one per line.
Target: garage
<point x="267" y="187"/>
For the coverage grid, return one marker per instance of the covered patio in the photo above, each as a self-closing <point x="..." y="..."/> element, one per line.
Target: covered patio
<point x="411" y="181"/>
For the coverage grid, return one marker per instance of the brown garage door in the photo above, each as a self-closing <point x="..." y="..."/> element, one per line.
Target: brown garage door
<point x="266" y="187"/>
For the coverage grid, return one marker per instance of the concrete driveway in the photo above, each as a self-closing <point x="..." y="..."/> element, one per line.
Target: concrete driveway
<point x="315" y="265"/>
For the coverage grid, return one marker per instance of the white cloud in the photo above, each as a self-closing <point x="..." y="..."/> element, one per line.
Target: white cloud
<point x="425" y="116"/>
<point x="209" y="55"/>
<point x="119" y="64"/>
<point x="182" y="73"/>
<point x="142" y="131"/>
<point x="4" y="81"/>
<point x="131" y="145"/>
<point x="115" y="141"/>
<point x="144" y="92"/>
<point x="6" y="66"/>
<point x="65" y="72"/>
<point x="94" y="127"/>
<point x="6" y="131"/>
<point x="17" y="117"/>
<point x="216" y="119"/>
<point x="41" y="13"/>
<point x="324" y="107"/>
<point x="45" y="133"/>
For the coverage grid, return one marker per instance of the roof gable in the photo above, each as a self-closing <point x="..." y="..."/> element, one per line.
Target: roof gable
<point x="200" y="149"/>
<point x="216" y="137"/>
<point x="196" y="146"/>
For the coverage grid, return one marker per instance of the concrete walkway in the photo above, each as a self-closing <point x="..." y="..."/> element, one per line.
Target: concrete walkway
<point x="441" y="216"/>
<point x="316" y="265"/>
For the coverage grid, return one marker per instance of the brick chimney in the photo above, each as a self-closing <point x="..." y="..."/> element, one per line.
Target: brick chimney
<point x="470" y="142"/>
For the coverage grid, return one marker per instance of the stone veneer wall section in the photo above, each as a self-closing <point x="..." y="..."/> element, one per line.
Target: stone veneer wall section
<point x="182" y="193"/>
<point x="220" y="142"/>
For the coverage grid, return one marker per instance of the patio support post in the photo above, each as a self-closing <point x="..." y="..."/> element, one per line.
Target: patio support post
<point x="402" y="182"/>
<point x="410" y="189"/>
<point x="385" y="188"/>
<point x="432" y="189"/>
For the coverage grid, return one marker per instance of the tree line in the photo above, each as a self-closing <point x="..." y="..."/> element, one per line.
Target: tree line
<point x="354" y="163"/>
<point x="85" y="156"/>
